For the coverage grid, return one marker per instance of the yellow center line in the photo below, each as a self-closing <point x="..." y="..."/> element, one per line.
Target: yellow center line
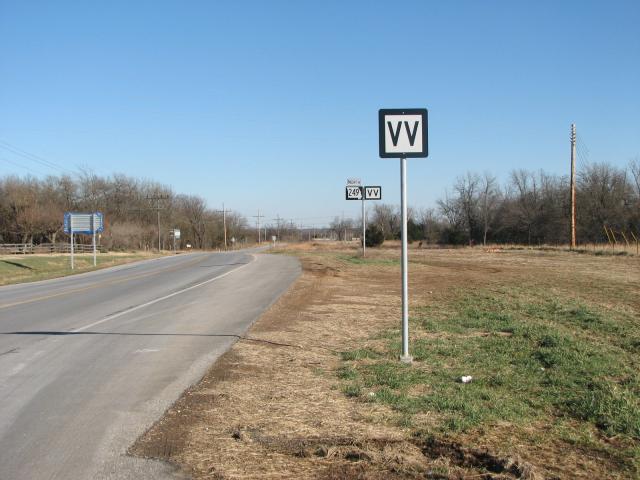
<point x="99" y="284"/>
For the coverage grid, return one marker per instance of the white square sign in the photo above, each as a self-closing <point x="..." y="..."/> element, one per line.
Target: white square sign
<point x="372" y="193"/>
<point x="403" y="133"/>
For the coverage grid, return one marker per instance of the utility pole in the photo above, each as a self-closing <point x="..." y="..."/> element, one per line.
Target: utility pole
<point x="224" y="223"/>
<point x="157" y="198"/>
<point x="258" y="217"/>
<point x="277" y="219"/>
<point x="573" y="186"/>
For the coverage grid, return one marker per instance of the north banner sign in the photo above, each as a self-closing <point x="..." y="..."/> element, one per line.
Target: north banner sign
<point x="403" y="133"/>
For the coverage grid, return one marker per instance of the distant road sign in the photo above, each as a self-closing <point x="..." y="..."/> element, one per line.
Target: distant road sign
<point x="403" y="132"/>
<point x="354" y="192"/>
<point x="372" y="193"/>
<point x="353" y="181"/>
<point x="87" y="223"/>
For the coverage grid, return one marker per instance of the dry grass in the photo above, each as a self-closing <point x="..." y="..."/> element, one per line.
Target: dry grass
<point x="287" y="411"/>
<point x="30" y="268"/>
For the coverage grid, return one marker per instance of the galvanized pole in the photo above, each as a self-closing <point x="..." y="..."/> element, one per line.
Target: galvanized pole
<point x="71" y="222"/>
<point x="573" y="186"/>
<point x="364" y="239"/>
<point x="405" y="358"/>
<point x="93" y="240"/>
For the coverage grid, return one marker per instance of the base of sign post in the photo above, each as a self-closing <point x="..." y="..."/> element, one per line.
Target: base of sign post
<point x="406" y="359"/>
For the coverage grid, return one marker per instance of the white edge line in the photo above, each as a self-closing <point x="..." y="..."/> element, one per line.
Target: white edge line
<point x="156" y="300"/>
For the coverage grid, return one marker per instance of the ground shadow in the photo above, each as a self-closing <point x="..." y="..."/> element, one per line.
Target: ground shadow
<point x="16" y="264"/>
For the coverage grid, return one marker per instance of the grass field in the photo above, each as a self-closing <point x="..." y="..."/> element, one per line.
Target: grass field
<point x="30" y="268"/>
<point x="550" y="337"/>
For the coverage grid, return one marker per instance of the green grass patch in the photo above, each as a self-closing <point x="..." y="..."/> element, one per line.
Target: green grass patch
<point x="532" y="356"/>
<point x="19" y="268"/>
<point x="359" y="354"/>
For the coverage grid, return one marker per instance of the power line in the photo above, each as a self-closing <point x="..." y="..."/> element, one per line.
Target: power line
<point x="33" y="157"/>
<point x="21" y="166"/>
<point x="582" y="150"/>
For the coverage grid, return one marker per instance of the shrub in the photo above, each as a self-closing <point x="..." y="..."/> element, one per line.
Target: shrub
<point x="375" y="236"/>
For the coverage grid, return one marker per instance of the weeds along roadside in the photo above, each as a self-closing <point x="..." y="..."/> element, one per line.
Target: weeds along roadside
<point x="538" y="357"/>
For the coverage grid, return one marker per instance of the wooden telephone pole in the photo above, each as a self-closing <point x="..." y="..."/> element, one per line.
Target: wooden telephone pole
<point x="573" y="185"/>
<point x="157" y="208"/>
<point x="258" y="217"/>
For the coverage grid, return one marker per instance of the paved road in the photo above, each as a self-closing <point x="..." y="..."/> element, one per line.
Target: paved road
<point x="89" y="362"/>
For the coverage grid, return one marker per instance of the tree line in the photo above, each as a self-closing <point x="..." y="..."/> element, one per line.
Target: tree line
<point x="532" y="207"/>
<point x="32" y="211"/>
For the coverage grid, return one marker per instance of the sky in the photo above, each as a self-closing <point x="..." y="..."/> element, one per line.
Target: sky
<point x="272" y="105"/>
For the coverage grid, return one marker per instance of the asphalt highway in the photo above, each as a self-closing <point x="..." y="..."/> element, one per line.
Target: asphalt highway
<point x="89" y="362"/>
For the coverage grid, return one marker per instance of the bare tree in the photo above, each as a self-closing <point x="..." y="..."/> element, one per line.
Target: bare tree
<point x="339" y="226"/>
<point x="634" y="168"/>
<point x="488" y="202"/>
<point x="430" y="224"/>
<point x="387" y="218"/>
<point x="467" y="187"/>
<point x="194" y="210"/>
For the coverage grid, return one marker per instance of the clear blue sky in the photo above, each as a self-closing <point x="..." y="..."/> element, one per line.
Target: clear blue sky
<point x="274" y="104"/>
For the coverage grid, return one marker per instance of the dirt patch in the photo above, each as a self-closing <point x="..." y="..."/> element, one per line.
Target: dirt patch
<point x="278" y="410"/>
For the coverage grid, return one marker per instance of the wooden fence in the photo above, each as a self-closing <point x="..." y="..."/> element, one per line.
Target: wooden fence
<point x="29" y="248"/>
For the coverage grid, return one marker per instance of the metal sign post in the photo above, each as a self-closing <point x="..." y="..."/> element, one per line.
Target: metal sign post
<point x="364" y="230"/>
<point x="87" y="223"/>
<point x="358" y="192"/>
<point x="93" y="237"/>
<point x="72" y="251"/>
<point x="354" y="192"/>
<point x="403" y="134"/>
<point x="175" y="234"/>
<point x="405" y="264"/>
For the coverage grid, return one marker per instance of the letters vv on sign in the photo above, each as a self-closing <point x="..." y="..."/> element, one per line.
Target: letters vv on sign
<point x="403" y="133"/>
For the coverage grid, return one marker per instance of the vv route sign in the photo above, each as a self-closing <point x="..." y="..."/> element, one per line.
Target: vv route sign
<point x="403" y="133"/>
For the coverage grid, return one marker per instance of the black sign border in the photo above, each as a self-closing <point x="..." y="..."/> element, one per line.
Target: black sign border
<point x="372" y="186"/>
<point x="404" y="111"/>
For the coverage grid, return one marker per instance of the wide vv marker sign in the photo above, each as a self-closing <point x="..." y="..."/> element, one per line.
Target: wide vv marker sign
<point x="403" y="133"/>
